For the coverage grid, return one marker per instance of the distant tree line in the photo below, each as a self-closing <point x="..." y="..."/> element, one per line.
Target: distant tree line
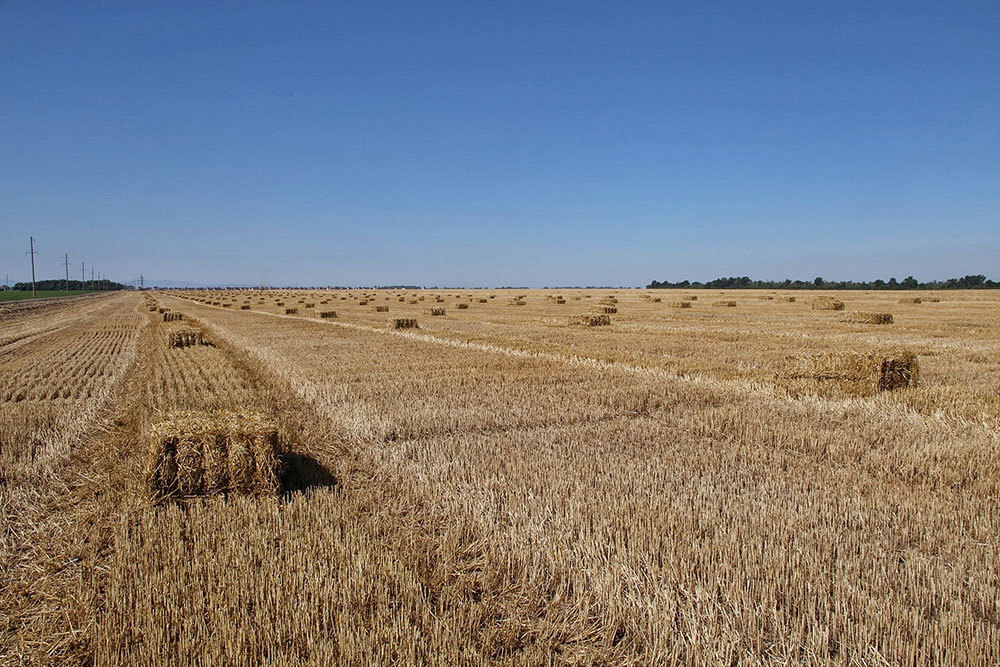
<point x="967" y="282"/>
<point x="60" y="284"/>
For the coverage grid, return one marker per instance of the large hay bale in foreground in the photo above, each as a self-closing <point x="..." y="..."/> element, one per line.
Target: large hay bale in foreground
<point x="857" y="373"/>
<point x="592" y="320"/>
<point x="185" y="338"/>
<point x="213" y="453"/>
<point x="858" y="317"/>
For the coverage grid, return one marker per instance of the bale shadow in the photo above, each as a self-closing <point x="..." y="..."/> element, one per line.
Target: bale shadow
<point x="302" y="473"/>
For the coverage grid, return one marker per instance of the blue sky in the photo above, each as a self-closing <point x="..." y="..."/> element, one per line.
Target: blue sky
<point x="500" y="143"/>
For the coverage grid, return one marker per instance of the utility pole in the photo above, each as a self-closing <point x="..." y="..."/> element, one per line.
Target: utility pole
<point x="142" y="282"/>
<point x="32" y="253"/>
<point x="91" y="277"/>
<point x="83" y="276"/>
<point x="67" y="273"/>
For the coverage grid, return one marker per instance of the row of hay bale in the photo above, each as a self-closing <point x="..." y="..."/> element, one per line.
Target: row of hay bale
<point x="213" y="453"/>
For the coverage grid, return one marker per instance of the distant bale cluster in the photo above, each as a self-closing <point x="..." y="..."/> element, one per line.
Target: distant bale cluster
<point x="404" y="323"/>
<point x="213" y="453"/>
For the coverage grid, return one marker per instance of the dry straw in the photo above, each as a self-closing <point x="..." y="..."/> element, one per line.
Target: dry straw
<point x="679" y="304"/>
<point x="328" y="314"/>
<point x="724" y="304"/>
<point x="404" y="323"/>
<point x="437" y="312"/>
<point x="291" y="311"/>
<point x="608" y="310"/>
<point x="211" y="453"/>
<point x="462" y="306"/>
<point x="911" y="299"/>
<point x="858" y="317"/>
<point x="381" y="309"/>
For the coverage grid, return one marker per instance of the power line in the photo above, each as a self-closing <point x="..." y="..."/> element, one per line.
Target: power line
<point x="32" y="252"/>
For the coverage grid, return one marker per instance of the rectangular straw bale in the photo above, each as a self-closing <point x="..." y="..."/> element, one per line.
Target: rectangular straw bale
<point x="381" y="309"/>
<point x="210" y="453"/>
<point x="404" y="323"/>
<point x="328" y="314"/>
<point x="856" y="373"/>
<point x="858" y="317"/>
<point x="679" y="304"/>
<point x="911" y="299"/>
<point x="724" y="304"/>
<point x="591" y="320"/>
<point x="827" y="303"/>
<point x="185" y="338"/>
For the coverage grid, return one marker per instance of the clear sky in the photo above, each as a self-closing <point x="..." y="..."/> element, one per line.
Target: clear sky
<point x="468" y="143"/>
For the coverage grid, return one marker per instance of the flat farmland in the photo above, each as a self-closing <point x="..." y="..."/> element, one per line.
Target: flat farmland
<point x="509" y="477"/>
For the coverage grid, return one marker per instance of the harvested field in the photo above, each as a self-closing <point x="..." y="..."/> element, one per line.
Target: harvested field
<point x="761" y="485"/>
